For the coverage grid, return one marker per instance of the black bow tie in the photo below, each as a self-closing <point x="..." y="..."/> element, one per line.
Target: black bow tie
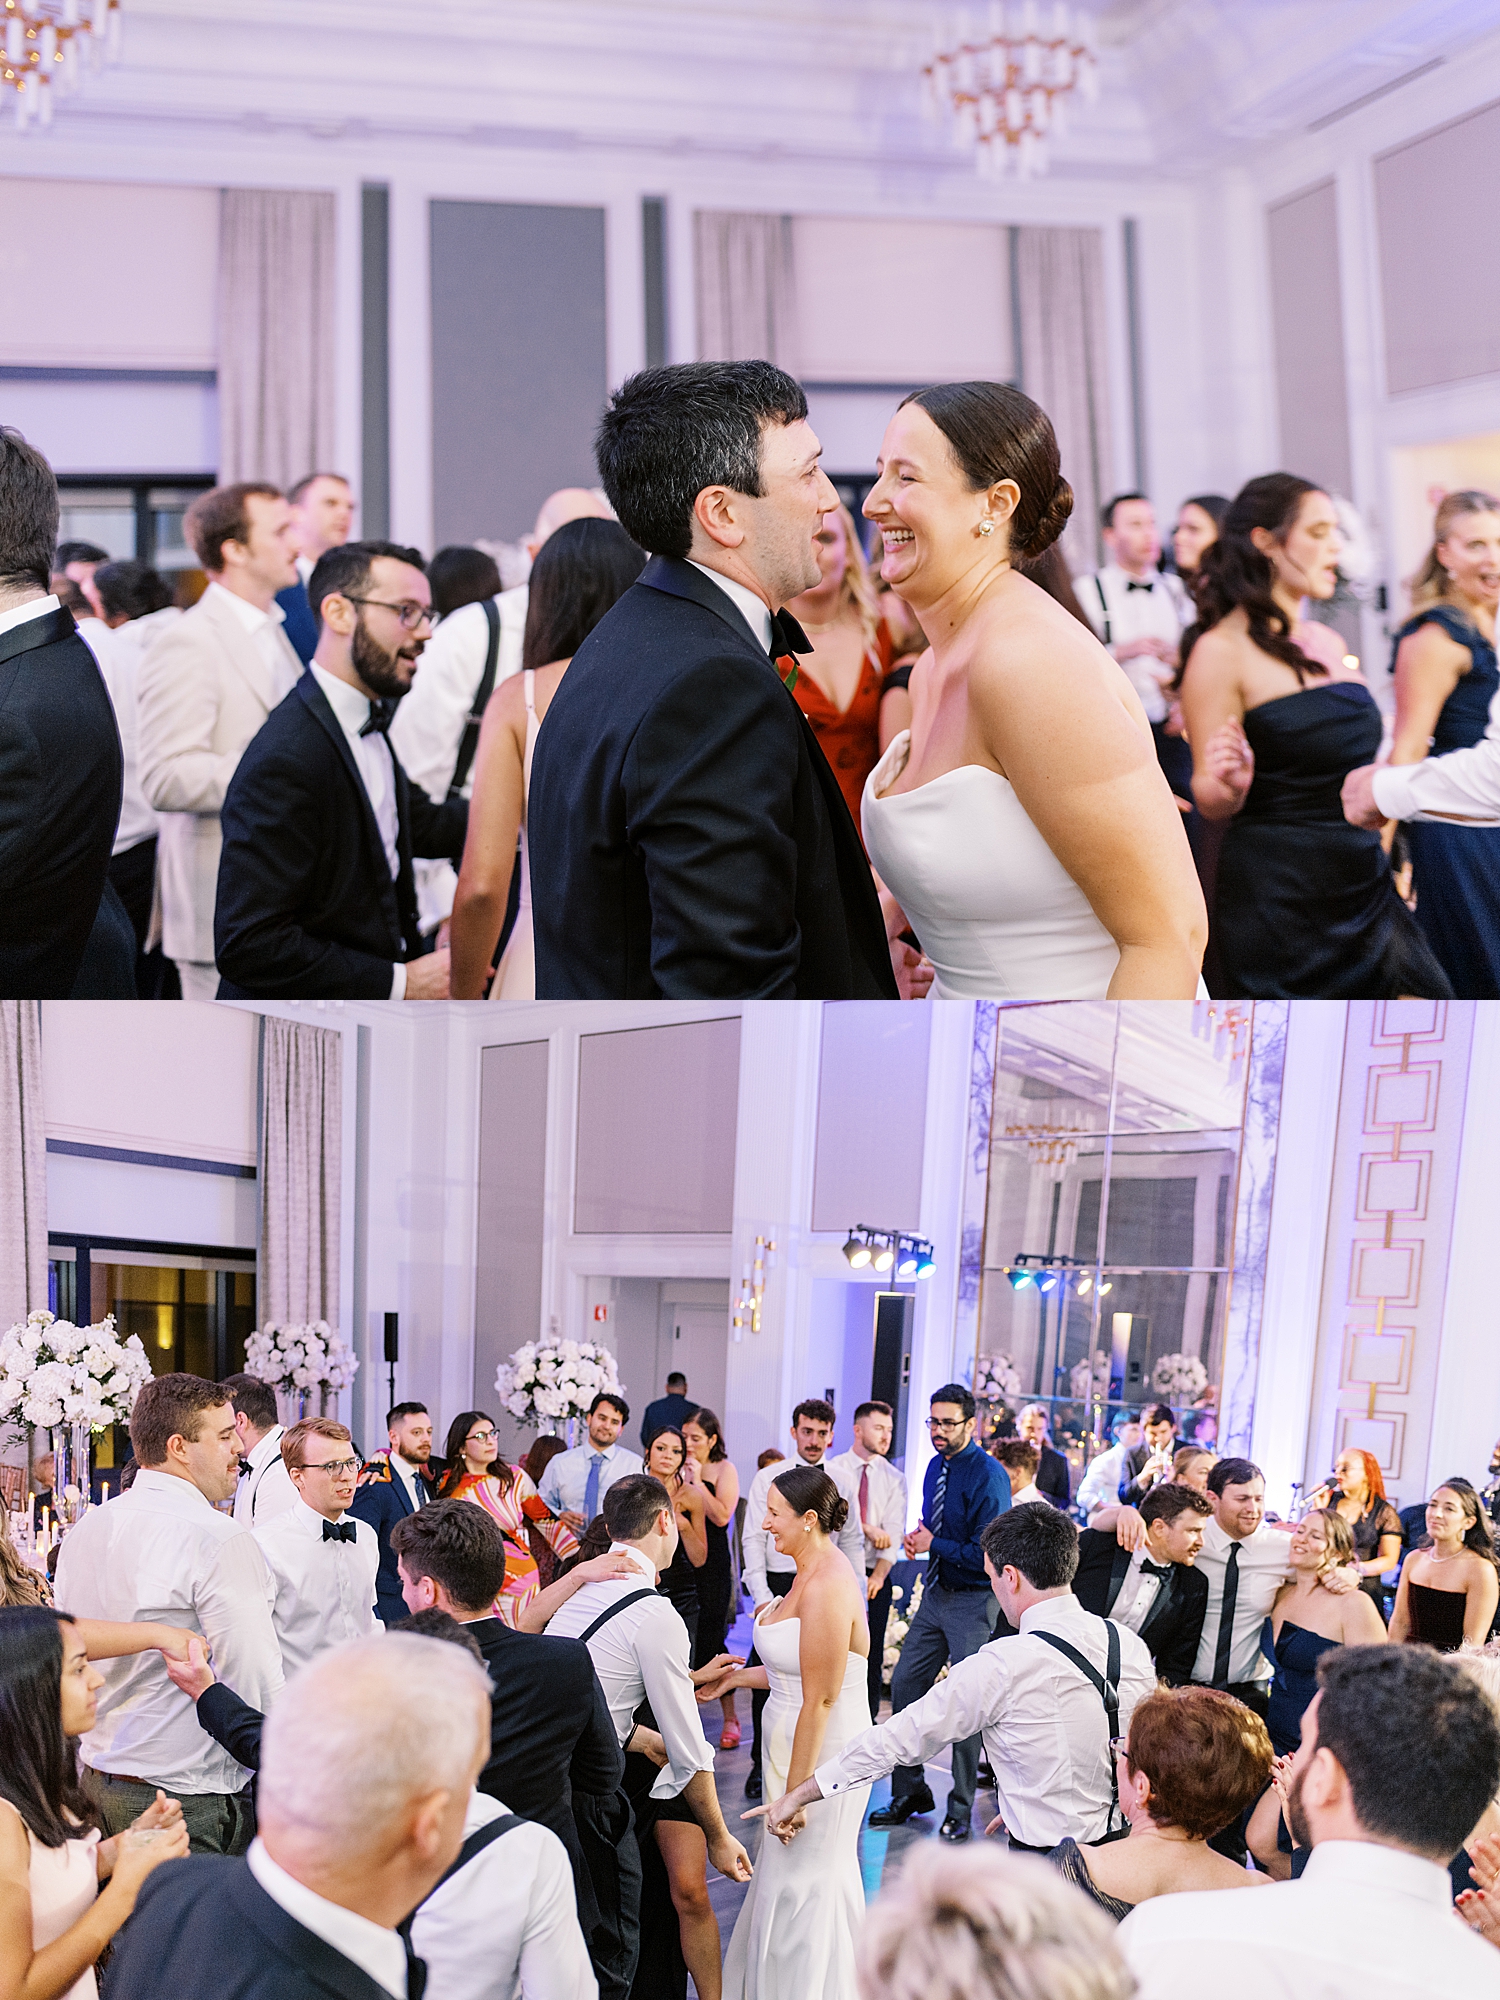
<point x="787" y="636"/>
<point x="1133" y="585"/>
<point x="339" y="1531"/>
<point x="244" y="1467"/>
<point x="378" y="722"/>
<point x="1163" y="1570"/>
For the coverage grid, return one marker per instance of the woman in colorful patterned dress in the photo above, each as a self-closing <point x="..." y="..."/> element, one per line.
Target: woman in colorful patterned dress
<point x="476" y="1471"/>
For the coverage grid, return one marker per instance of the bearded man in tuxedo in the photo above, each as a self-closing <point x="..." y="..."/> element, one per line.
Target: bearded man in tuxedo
<point x="687" y="838"/>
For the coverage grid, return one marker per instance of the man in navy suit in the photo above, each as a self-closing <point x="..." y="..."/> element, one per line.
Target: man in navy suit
<point x="322" y="519"/>
<point x="686" y="836"/>
<point x="368" y="1762"/>
<point x="61" y="767"/>
<point x="316" y="893"/>
<point x="394" y="1484"/>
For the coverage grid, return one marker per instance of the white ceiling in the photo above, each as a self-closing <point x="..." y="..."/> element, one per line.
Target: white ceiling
<point x="1188" y="85"/>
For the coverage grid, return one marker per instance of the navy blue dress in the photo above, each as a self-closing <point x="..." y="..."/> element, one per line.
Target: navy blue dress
<point x="1295" y="1656"/>
<point x="1456" y="869"/>
<point x="1305" y="906"/>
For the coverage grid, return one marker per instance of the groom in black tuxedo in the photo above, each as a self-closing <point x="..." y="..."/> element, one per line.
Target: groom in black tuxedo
<point x="1154" y="1590"/>
<point x="687" y="838"/>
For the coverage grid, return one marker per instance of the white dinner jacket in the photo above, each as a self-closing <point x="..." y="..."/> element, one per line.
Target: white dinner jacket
<point x="202" y="692"/>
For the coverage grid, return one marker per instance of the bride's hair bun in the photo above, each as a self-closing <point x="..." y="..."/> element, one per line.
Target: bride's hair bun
<point x="1054" y="519"/>
<point x="995" y="432"/>
<point x="807" y="1489"/>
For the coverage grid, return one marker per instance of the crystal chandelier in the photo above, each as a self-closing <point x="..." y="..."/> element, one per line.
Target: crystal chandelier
<point x="43" y="47"/>
<point x="1003" y="77"/>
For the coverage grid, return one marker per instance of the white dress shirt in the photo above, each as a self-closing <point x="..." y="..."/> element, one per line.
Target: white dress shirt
<point x="325" y="1591"/>
<point x="22" y="614"/>
<point x="264" y="628"/>
<point x="161" y="1553"/>
<point x="1465" y="782"/>
<point x="1044" y="1725"/>
<point x="429" y="724"/>
<point x="1100" y="1485"/>
<point x="642" y="1655"/>
<point x="266" y="1490"/>
<point x="1137" y="1593"/>
<point x="887" y="1488"/>
<point x="372" y="757"/>
<point x="119" y="651"/>
<point x="1155" y="608"/>
<point x="761" y="1556"/>
<point x="565" y="1478"/>
<point x="754" y="610"/>
<point x="377" y="1952"/>
<point x="505" y="1927"/>
<point x="1365" y="1922"/>
<point x="1263" y="1568"/>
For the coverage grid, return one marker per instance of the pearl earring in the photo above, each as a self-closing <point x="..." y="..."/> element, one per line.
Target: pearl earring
<point x="986" y="527"/>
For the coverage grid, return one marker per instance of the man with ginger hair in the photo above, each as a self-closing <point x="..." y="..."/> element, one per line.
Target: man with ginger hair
<point x="323" y="1562"/>
<point x="368" y="1765"/>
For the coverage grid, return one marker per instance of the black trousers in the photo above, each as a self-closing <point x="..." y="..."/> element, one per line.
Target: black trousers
<point x="133" y="877"/>
<point x="880" y="1611"/>
<point x="779" y="1586"/>
<point x="609" y="1903"/>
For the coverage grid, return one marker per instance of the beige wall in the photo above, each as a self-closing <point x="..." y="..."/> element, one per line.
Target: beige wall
<point x="179" y="1080"/>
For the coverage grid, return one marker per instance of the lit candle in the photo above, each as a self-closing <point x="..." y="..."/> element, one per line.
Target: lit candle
<point x="103" y="1491"/>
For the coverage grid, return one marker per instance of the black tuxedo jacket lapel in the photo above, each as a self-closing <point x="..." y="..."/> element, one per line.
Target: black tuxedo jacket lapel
<point x="1161" y="1603"/>
<point x="1118" y="1570"/>
<point x="33" y="633"/>
<point x="317" y="705"/>
<point x="300" y="1947"/>
<point x="680" y="579"/>
<point x="405" y="885"/>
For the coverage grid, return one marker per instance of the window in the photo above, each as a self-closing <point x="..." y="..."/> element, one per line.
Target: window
<point x="137" y="519"/>
<point x="193" y="1308"/>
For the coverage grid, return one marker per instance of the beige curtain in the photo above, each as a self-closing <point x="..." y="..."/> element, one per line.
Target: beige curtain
<point x="276" y="265"/>
<point x="746" y="285"/>
<point x="1064" y="367"/>
<point x="23" y="1163"/>
<point x="301" y="1127"/>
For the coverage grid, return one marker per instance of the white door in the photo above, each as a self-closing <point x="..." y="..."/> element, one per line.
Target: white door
<point x="697" y="1349"/>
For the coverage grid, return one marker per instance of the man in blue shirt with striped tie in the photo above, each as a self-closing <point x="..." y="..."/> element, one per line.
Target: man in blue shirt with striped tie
<point x="964" y="1489"/>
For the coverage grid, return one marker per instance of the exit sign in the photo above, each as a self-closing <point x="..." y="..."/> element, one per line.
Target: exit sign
<point x="601" y="1312"/>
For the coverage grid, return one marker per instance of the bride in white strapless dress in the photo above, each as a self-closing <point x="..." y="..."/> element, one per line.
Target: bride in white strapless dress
<point x="797" y="1927"/>
<point x="1022" y="823"/>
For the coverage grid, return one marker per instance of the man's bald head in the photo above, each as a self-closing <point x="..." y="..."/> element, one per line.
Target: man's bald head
<point x="568" y="503"/>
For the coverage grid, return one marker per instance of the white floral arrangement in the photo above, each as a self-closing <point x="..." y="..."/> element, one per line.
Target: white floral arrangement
<point x="53" y="1372"/>
<point x="898" y="1625"/>
<point x="554" y="1380"/>
<point x="313" y="1356"/>
<point x="1086" y="1379"/>
<point x="1181" y="1378"/>
<point x="996" y="1379"/>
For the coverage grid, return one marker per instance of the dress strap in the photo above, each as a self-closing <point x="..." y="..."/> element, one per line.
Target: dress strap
<point x="528" y="686"/>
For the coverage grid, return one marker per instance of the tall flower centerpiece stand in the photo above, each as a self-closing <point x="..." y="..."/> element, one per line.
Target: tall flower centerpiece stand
<point x="66" y="1382"/>
<point x="550" y="1384"/>
<point x="306" y="1365"/>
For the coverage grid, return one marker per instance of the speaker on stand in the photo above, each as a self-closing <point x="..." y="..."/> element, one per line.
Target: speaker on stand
<point x="392" y="1351"/>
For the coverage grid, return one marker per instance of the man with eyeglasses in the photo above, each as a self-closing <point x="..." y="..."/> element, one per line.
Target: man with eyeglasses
<point x="322" y="1561"/>
<point x="963" y="1491"/>
<point x="317" y="898"/>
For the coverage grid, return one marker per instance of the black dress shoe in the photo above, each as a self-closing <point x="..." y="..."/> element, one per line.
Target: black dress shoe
<point x="752" y="1784"/>
<point x="899" y="1811"/>
<point x="956" y="1830"/>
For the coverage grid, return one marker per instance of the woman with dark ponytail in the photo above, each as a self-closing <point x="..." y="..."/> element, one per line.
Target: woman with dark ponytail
<point x="1022" y="823"/>
<point x="1305" y="906"/>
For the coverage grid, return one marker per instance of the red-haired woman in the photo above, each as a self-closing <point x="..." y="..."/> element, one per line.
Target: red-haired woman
<point x="1358" y="1494"/>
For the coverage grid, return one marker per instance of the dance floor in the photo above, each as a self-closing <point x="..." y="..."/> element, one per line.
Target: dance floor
<point x="877" y="1851"/>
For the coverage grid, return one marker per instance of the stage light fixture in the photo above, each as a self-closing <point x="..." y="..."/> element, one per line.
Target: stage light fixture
<point x="1019" y="1279"/>
<point x="906" y="1256"/>
<point x="926" y="1263"/>
<point x="1105" y="1287"/>
<point x="885" y="1251"/>
<point x="1084" y="1285"/>
<point x="1047" y="1282"/>
<point x="857" y="1250"/>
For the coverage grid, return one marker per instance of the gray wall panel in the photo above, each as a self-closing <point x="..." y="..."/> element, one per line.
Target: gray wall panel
<point x="1308" y="318"/>
<point x="872" y="1115"/>
<point x="518" y="361"/>
<point x="512" y="1169"/>
<point x="657" y="1115"/>
<point x="1441" y="290"/>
